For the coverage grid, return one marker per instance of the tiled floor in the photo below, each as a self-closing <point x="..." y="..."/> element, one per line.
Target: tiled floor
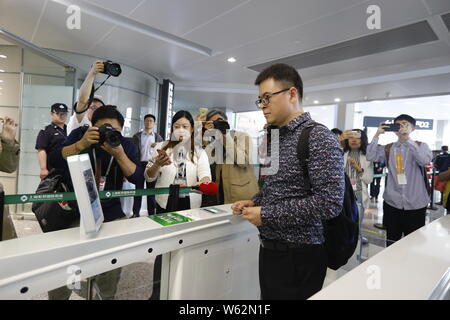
<point x="135" y="282"/>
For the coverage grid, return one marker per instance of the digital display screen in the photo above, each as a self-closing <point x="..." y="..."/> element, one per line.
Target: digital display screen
<point x="93" y="194"/>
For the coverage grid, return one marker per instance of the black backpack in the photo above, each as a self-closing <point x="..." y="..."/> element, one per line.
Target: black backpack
<point x="341" y="232"/>
<point x="54" y="216"/>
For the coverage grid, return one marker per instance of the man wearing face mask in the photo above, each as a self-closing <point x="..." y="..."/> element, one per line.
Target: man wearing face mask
<point x="406" y="197"/>
<point x="236" y="178"/>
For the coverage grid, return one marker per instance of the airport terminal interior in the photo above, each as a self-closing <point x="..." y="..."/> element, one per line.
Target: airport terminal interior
<point x="365" y="66"/>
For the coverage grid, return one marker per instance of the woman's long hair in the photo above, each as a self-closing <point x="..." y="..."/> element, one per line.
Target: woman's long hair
<point x="364" y="142"/>
<point x="172" y="144"/>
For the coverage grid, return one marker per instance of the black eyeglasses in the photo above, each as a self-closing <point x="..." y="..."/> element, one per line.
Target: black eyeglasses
<point x="266" y="99"/>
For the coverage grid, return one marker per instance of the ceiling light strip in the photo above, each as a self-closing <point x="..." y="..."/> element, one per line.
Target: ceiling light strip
<point x="134" y="25"/>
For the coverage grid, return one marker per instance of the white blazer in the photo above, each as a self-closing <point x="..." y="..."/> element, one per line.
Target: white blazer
<point x="366" y="178"/>
<point x="194" y="173"/>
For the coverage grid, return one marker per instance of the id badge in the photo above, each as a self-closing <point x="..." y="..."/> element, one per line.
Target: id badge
<point x="401" y="178"/>
<point x="101" y="185"/>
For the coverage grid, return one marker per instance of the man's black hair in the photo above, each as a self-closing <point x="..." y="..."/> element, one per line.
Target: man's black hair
<point x="337" y="131"/>
<point x="444" y="148"/>
<point x="107" y="112"/>
<point x="406" y="118"/>
<point x="283" y="73"/>
<point x="150" y="116"/>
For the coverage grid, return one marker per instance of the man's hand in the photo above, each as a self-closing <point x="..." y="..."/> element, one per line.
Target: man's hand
<point x="43" y="173"/>
<point x="381" y="129"/>
<point x="116" y="152"/>
<point x="9" y="131"/>
<point x="90" y="137"/>
<point x="252" y="215"/>
<point x="97" y="68"/>
<point x="240" y="205"/>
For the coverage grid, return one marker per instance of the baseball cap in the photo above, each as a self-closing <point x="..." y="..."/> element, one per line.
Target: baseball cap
<point x="59" y="107"/>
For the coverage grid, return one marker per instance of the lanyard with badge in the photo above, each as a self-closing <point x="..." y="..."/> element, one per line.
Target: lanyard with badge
<point x="102" y="181"/>
<point x="401" y="176"/>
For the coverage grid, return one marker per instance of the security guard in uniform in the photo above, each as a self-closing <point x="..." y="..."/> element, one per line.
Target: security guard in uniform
<point x="53" y="135"/>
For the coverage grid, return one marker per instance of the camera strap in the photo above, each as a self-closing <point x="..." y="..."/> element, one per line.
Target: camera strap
<point x="98" y="171"/>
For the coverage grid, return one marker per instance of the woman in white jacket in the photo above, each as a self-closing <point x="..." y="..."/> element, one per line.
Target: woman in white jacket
<point x="358" y="168"/>
<point x="179" y="161"/>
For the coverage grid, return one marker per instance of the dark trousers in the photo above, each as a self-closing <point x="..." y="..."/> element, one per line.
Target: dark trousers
<point x="151" y="202"/>
<point x="375" y="188"/>
<point x="183" y="204"/>
<point x="292" y="274"/>
<point x="400" y="222"/>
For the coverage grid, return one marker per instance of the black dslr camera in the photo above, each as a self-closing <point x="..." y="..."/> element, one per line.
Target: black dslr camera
<point x="112" y="69"/>
<point x="107" y="134"/>
<point x="221" y="125"/>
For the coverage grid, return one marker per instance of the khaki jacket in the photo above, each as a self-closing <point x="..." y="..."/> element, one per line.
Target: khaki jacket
<point x="9" y="160"/>
<point x="9" y="157"/>
<point x="239" y="180"/>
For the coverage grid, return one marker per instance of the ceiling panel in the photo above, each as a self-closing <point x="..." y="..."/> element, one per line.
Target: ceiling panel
<point x="389" y="40"/>
<point x="257" y="19"/>
<point x="395" y="61"/>
<point x="169" y="58"/>
<point x="438" y="6"/>
<point x="20" y="17"/>
<point x="180" y="16"/>
<point x="53" y="32"/>
<point x="124" y="44"/>
<point x="342" y="25"/>
<point x="120" y="7"/>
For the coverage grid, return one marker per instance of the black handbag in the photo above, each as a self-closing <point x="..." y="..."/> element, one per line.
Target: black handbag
<point x="53" y="216"/>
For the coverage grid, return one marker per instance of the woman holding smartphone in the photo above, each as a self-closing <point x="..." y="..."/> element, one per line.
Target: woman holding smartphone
<point x="179" y="162"/>
<point x="358" y="168"/>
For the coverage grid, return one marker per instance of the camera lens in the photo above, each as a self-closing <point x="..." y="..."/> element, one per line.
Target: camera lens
<point x="112" y="69"/>
<point x="113" y="138"/>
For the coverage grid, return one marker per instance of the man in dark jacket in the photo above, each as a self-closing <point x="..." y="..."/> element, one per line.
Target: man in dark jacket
<point x="145" y="141"/>
<point x="110" y="165"/>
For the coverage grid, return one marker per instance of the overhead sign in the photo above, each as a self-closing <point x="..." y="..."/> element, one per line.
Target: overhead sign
<point x="421" y="124"/>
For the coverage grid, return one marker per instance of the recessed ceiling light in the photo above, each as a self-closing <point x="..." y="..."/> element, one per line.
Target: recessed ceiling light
<point x="1" y="81"/>
<point x="337" y="100"/>
<point x="3" y="56"/>
<point x="1" y="70"/>
<point x="231" y="59"/>
<point x="316" y="101"/>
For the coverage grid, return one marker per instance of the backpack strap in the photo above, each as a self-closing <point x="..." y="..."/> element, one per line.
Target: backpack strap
<point x="303" y="152"/>
<point x="387" y="150"/>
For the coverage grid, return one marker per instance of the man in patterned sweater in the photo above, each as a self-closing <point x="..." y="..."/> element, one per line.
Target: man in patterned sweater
<point x="292" y="259"/>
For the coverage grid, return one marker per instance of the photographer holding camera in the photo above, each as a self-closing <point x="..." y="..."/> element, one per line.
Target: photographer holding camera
<point x="113" y="157"/>
<point x="87" y="104"/>
<point x="236" y="180"/>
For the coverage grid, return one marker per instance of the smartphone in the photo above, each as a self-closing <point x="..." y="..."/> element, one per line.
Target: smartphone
<point x="393" y="127"/>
